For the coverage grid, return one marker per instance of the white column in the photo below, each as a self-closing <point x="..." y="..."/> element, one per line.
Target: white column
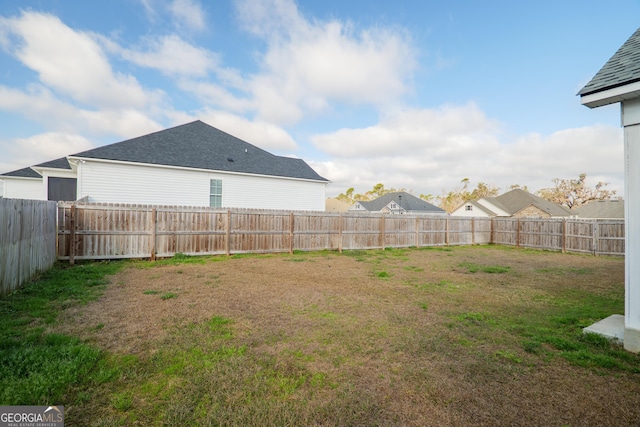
<point x="631" y="123"/>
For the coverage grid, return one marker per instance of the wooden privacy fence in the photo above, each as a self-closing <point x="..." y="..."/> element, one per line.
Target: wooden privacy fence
<point x="111" y="231"/>
<point x="27" y="240"/>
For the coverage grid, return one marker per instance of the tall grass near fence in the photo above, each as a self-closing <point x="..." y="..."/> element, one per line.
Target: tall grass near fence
<point x="27" y="240"/>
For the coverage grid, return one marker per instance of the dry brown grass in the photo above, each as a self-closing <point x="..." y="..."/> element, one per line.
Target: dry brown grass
<point x="404" y="337"/>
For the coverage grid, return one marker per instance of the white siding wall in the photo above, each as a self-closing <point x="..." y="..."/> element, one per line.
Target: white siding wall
<point x="24" y="188"/>
<point x="244" y="191"/>
<point x="474" y="212"/>
<point x="123" y="183"/>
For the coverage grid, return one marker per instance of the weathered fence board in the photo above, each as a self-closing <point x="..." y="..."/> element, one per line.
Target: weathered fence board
<point x="93" y="231"/>
<point x="27" y="240"/>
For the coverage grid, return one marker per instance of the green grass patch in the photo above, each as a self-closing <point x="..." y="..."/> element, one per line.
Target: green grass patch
<point x="39" y="367"/>
<point x="168" y="295"/>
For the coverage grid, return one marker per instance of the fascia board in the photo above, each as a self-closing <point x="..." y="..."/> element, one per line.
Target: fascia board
<point x="611" y="96"/>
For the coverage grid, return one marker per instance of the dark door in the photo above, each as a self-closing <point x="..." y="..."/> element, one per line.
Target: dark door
<point x="62" y="189"/>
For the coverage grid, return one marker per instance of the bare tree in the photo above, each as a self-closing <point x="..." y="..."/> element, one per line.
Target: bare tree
<point x="573" y="193"/>
<point x="453" y="199"/>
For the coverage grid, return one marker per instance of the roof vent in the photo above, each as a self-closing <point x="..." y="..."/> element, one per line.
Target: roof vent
<point x="229" y="159"/>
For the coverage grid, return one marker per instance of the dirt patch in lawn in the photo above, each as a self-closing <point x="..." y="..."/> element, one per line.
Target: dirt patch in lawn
<point x="404" y="337"/>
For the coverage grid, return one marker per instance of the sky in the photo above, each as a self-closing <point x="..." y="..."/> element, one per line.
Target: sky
<point x="414" y="94"/>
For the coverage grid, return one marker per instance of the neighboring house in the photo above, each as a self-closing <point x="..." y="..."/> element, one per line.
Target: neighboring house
<point x="193" y="164"/>
<point x="335" y="205"/>
<point x="398" y="203"/>
<point x="52" y="180"/>
<point x="601" y="209"/>
<point x="22" y="184"/>
<point x="515" y="203"/>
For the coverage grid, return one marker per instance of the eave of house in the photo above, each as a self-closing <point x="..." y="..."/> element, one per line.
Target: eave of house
<point x="75" y="160"/>
<point x="57" y="172"/>
<point x="612" y="95"/>
<point x="33" y="178"/>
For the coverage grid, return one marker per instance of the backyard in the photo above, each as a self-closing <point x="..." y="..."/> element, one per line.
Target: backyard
<point x="445" y="336"/>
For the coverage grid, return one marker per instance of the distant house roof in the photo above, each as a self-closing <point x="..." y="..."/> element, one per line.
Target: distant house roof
<point x="404" y="200"/>
<point x="622" y="69"/>
<point x="22" y="173"/>
<point x="200" y="146"/>
<point x="516" y="200"/>
<point x="601" y="209"/>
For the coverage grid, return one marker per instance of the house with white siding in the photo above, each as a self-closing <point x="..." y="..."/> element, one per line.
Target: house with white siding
<point x="514" y="203"/>
<point x="193" y="164"/>
<point x="398" y="203"/>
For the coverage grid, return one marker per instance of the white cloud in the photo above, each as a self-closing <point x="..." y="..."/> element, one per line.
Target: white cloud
<point x="72" y="63"/>
<point x="169" y="54"/>
<point x="41" y="148"/>
<point x="309" y="64"/>
<point x="42" y="106"/>
<point x="430" y="133"/>
<point x="187" y="14"/>
<point x="77" y="90"/>
<point x="431" y="151"/>
<point x="261" y="134"/>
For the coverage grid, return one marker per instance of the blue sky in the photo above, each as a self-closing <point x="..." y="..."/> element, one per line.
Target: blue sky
<point x="413" y="94"/>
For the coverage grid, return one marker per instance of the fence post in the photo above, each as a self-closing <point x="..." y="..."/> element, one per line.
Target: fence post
<point x="417" y="231"/>
<point x="491" y="234"/>
<point x="518" y="232"/>
<point x="473" y="231"/>
<point x="154" y="222"/>
<point x="564" y="235"/>
<point x="594" y="236"/>
<point x="228" y="248"/>
<point x="72" y="235"/>
<point x="446" y="231"/>
<point x="382" y="231"/>
<point x="340" y="233"/>
<point x="291" y="225"/>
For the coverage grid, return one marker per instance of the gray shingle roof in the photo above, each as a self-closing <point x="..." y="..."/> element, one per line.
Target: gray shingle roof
<point x="406" y="201"/>
<point x="23" y="173"/>
<point x="515" y="200"/>
<point x="601" y="209"/>
<point x="621" y="69"/>
<point x="200" y="146"/>
<point x="61" y="163"/>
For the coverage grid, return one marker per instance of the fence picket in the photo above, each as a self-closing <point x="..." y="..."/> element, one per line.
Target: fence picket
<point x="96" y="231"/>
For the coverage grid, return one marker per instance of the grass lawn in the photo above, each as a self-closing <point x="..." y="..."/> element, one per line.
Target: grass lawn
<point x="480" y="335"/>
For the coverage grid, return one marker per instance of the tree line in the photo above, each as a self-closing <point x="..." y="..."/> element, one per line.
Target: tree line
<point x="571" y="193"/>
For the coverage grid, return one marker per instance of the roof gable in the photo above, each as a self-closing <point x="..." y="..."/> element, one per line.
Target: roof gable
<point x="621" y="69"/>
<point x="479" y="206"/>
<point x="61" y="163"/>
<point x="23" y="173"/>
<point x="406" y="201"/>
<point x="516" y="200"/>
<point x="200" y="146"/>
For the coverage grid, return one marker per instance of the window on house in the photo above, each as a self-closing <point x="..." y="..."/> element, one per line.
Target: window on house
<point x="215" y="193"/>
<point x="468" y="208"/>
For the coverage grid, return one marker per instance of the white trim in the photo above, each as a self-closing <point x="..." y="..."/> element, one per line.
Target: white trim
<point x="611" y="96"/>
<point x="89" y="159"/>
<point x="19" y="177"/>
